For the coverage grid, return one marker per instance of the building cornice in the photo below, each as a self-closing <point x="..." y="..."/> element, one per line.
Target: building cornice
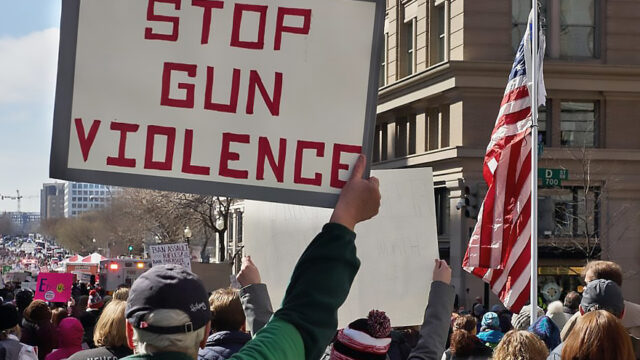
<point x="479" y="75"/>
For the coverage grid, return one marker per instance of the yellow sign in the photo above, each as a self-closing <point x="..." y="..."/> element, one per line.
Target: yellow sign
<point x="560" y="270"/>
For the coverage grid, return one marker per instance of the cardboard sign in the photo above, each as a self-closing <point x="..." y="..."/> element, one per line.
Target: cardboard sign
<point x="271" y="100"/>
<point x="397" y="248"/>
<point x="54" y="287"/>
<point x="170" y="254"/>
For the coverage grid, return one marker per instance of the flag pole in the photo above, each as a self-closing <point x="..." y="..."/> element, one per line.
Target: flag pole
<point x="534" y="164"/>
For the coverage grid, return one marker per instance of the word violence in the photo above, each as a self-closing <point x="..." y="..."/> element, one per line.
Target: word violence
<point x="273" y="154"/>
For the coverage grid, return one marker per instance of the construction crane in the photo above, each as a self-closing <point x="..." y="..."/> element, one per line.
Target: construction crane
<point x="17" y="197"/>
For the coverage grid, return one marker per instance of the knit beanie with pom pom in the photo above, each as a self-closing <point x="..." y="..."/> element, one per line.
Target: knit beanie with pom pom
<point x="364" y="339"/>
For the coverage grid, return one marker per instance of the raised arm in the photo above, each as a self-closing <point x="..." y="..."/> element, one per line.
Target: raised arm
<point x="321" y="280"/>
<point x="254" y="296"/>
<point x="437" y="316"/>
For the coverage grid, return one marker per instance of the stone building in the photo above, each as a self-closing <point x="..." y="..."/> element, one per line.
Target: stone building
<point x="444" y="68"/>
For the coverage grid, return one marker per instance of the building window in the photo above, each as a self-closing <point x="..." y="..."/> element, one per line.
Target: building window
<point x="578" y="123"/>
<point x="571" y="26"/>
<point x="380" y="143"/>
<point x="569" y="212"/>
<point x="544" y="136"/>
<point x="441" y="32"/>
<point x="442" y="210"/>
<point x="408" y="35"/>
<point x="384" y="48"/>
<point x="73" y="213"/>
<point x="239" y="226"/>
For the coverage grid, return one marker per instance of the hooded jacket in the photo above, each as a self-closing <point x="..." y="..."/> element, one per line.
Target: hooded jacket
<point x="222" y="344"/>
<point x="69" y="339"/>
<point x="40" y="334"/>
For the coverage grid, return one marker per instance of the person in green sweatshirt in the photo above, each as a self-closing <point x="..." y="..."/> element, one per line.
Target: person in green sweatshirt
<point x="167" y="316"/>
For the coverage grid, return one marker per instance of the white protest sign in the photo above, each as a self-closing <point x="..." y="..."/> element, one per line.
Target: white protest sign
<point x="268" y="100"/>
<point x="178" y="254"/>
<point x="397" y="248"/>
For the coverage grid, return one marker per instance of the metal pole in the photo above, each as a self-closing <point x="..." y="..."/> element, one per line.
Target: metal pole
<point x="534" y="164"/>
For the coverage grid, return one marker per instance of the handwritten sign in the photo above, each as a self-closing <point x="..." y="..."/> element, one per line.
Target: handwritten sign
<point x="271" y="100"/>
<point x="54" y="287"/>
<point x="171" y="254"/>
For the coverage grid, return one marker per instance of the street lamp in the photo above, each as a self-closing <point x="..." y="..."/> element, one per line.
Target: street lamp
<point x="187" y="234"/>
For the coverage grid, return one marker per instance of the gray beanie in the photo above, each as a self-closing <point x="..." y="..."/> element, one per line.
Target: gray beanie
<point x="522" y="320"/>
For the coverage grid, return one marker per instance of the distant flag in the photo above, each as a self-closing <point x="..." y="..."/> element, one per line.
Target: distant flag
<point x="499" y="250"/>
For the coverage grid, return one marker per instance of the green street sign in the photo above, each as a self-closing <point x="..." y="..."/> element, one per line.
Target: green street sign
<point x="552" y="177"/>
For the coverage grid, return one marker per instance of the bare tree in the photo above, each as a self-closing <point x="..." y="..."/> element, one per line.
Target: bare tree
<point x="212" y="215"/>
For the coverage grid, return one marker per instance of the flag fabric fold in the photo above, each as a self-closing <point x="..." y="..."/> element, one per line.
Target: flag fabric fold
<point x="499" y="249"/>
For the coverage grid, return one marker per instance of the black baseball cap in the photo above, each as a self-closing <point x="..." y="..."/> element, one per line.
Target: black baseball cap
<point x="168" y="287"/>
<point x="603" y="294"/>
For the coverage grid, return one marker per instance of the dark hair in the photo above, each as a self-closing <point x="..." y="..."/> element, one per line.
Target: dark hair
<point x="463" y="342"/>
<point x="572" y="300"/>
<point x="606" y="270"/>
<point x="598" y="335"/>
<point x="23" y="299"/>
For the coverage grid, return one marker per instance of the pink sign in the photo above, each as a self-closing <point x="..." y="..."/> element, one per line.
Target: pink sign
<point x="54" y="287"/>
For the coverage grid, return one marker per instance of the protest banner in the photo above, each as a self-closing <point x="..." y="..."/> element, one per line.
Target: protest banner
<point x="170" y="254"/>
<point x="54" y="287"/>
<point x="271" y="100"/>
<point x="397" y="248"/>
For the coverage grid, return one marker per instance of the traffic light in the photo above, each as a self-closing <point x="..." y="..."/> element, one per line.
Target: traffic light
<point x="470" y="202"/>
<point x="130" y="248"/>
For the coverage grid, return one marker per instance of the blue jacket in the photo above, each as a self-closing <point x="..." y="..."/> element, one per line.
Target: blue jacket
<point x="492" y="337"/>
<point x="223" y="344"/>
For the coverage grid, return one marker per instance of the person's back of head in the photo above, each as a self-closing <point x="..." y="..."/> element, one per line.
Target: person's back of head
<point x="57" y="315"/>
<point x="490" y="321"/>
<point x="598" y="335"/>
<point x="522" y="320"/>
<point x="110" y="328"/>
<point x="547" y="331"/>
<point x="69" y="332"/>
<point x="37" y="312"/>
<point x="602" y="294"/>
<point x="520" y="345"/>
<point x="121" y="294"/>
<point x="167" y="312"/>
<point x="463" y="339"/>
<point x="600" y="269"/>
<point x="226" y="310"/>
<point x="572" y="301"/>
<point x="366" y="338"/>
<point x="23" y="298"/>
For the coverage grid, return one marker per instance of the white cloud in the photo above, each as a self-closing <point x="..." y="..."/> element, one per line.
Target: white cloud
<point x="28" y="67"/>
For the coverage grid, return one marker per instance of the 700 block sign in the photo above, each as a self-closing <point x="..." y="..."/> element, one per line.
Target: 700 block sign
<point x="265" y="100"/>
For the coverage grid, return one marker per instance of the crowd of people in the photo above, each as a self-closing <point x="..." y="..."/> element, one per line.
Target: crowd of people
<point x="168" y="314"/>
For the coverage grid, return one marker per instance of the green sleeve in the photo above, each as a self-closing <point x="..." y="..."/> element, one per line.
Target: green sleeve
<point x="319" y="285"/>
<point x="278" y="340"/>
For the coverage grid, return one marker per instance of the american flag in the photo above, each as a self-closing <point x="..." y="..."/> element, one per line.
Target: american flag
<point x="499" y="250"/>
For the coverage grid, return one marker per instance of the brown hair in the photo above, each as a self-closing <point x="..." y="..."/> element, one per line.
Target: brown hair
<point x="226" y="310"/>
<point x="57" y="315"/>
<point x="463" y="341"/>
<point x="110" y="328"/>
<point x="607" y="270"/>
<point x="37" y="311"/>
<point x="598" y="335"/>
<point x="520" y="345"/>
<point x="121" y="294"/>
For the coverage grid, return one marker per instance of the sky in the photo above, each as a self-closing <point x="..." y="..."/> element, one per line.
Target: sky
<point x="29" y="31"/>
